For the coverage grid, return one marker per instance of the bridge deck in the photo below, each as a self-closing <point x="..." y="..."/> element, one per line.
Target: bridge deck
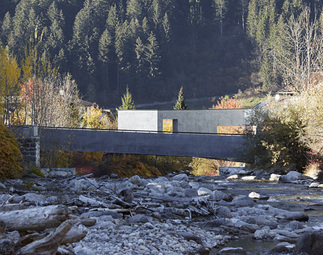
<point x="146" y="143"/>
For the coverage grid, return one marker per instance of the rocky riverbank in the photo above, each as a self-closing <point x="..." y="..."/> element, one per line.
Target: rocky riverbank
<point x="174" y="214"/>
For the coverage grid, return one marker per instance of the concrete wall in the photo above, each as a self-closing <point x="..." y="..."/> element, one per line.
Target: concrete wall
<point x="30" y="145"/>
<point x="188" y="145"/>
<point x="204" y="121"/>
<point x="138" y="120"/>
<point x="200" y="121"/>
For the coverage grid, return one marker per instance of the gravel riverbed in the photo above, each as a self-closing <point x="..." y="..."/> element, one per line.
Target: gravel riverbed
<point x="184" y="214"/>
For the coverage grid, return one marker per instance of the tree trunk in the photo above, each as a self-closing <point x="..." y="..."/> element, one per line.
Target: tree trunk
<point x="37" y="218"/>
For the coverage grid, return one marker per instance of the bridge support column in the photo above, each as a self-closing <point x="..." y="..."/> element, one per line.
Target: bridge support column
<point x="29" y="141"/>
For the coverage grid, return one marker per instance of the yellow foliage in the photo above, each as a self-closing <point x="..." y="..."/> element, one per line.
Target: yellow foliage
<point x="209" y="167"/>
<point x="10" y="155"/>
<point x="94" y="119"/>
<point x="9" y="77"/>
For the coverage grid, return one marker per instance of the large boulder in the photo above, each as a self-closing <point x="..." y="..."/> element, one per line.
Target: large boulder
<point x="310" y="243"/>
<point x="243" y="201"/>
<point x="290" y="177"/>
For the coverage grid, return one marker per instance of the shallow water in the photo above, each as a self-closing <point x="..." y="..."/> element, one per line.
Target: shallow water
<point x="249" y="245"/>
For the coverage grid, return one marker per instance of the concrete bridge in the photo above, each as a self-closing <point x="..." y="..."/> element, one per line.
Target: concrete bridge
<point x="146" y="143"/>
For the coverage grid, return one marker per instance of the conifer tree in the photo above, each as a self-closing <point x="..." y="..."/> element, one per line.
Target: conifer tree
<point x="180" y="104"/>
<point x="127" y="101"/>
<point x="152" y="55"/>
<point x="220" y="11"/>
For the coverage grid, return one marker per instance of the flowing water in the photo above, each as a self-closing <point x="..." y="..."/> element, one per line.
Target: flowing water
<point x="292" y="197"/>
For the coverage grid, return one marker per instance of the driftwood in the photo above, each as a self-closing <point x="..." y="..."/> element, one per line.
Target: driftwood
<point x="74" y="235"/>
<point x="49" y="244"/>
<point x="92" y="201"/>
<point x="37" y="218"/>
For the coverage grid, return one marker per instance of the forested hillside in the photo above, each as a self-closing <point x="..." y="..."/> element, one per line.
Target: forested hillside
<point x="210" y="47"/>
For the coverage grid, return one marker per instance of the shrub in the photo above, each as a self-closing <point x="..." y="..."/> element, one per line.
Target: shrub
<point x="227" y="103"/>
<point x="278" y="142"/>
<point x="209" y="167"/>
<point x="10" y="155"/>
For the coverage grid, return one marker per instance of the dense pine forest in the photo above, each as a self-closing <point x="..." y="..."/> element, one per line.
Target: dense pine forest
<point x="154" y="47"/>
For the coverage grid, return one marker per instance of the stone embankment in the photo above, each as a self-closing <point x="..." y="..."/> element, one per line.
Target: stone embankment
<point x="174" y="214"/>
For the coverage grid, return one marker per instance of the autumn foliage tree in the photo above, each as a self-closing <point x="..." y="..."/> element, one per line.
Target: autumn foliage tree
<point x="95" y="119"/>
<point x="227" y="103"/>
<point x="9" y="84"/>
<point x="47" y="98"/>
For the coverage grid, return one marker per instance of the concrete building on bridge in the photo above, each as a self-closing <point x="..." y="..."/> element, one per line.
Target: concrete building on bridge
<point x="192" y="121"/>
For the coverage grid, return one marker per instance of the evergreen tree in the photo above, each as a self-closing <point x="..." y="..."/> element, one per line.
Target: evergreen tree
<point x="134" y="9"/>
<point x="166" y="27"/>
<point x="220" y="11"/>
<point x="156" y="12"/>
<point x="180" y="104"/>
<point x="112" y="19"/>
<point x="152" y="55"/>
<point x="252" y="20"/>
<point x="6" y="28"/>
<point x="140" y="55"/>
<point x="127" y="101"/>
<point x="244" y="11"/>
<point x="145" y="26"/>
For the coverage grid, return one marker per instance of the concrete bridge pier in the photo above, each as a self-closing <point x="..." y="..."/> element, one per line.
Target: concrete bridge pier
<point x="29" y="141"/>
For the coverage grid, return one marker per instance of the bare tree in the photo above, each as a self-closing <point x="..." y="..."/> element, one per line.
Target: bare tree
<point x="50" y="101"/>
<point x="301" y="52"/>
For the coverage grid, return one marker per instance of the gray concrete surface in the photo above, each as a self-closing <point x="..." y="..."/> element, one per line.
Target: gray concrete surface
<point x="199" y="121"/>
<point x="188" y="145"/>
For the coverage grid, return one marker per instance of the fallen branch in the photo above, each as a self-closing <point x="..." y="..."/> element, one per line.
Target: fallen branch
<point x="49" y="244"/>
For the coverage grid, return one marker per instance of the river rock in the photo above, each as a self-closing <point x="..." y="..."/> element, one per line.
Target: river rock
<point x="232" y="251"/>
<point x="2" y="186"/>
<point x="136" y="180"/>
<point x="204" y="192"/>
<point x="274" y="177"/>
<point x="219" y="195"/>
<point x="138" y="218"/>
<point x="283" y="248"/>
<point x="223" y="212"/>
<point x="248" y="178"/>
<point x="314" y="185"/>
<point x="290" y="177"/>
<point x="190" y="192"/>
<point x="264" y="233"/>
<point x="180" y="177"/>
<point x="233" y="177"/>
<point x="35" y="199"/>
<point x="310" y="243"/>
<point x="254" y="195"/>
<point x="243" y="201"/>
<point x="296" y="216"/>
<point x="83" y="184"/>
<point x="232" y="170"/>
<point x="7" y="246"/>
<point x="156" y="187"/>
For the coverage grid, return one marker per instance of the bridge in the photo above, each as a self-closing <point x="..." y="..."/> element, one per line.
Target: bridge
<point x="205" y="145"/>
